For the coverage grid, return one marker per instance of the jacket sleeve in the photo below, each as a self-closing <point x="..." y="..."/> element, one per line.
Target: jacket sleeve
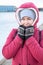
<point x="12" y="45"/>
<point x="35" y="48"/>
<point x="41" y="39"/>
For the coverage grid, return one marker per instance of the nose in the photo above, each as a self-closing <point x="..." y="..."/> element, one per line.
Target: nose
<point x="26" y="21"/>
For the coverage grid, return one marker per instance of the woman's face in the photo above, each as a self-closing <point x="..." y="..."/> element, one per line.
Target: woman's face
<point x="26" y="21"/>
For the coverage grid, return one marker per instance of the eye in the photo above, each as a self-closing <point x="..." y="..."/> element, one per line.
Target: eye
<point x="28" y="18"/>
<point x="23" y="19"/>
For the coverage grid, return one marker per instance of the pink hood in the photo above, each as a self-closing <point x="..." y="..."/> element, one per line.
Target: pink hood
<point x="29" y="5"/>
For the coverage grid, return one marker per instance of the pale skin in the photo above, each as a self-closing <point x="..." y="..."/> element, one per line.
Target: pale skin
<point x="26" y="21"/>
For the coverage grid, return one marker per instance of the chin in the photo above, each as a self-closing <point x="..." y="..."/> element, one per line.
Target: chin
<point x="26" y="25"/>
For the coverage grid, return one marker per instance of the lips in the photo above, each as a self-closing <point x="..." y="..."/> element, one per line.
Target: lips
<point x="27" y="24"/>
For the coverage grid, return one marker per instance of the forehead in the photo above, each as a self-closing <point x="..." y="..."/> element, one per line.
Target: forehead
<point x="26" y="17"/>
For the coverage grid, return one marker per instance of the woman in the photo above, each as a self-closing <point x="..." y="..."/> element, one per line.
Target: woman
<point x="24" y="45"/>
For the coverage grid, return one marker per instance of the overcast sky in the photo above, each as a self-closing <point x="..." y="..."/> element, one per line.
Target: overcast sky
<point x="38" y="3"/>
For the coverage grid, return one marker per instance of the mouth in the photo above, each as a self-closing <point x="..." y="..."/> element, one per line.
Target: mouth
<point x="26" y="24"/>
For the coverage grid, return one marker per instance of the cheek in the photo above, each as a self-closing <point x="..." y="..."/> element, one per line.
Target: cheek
<point x="22" y="22"/>
<point x="31" y="22"/>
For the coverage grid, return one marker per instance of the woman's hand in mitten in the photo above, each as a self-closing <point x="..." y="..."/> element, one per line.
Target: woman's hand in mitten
<point x="21" y="31"/>
<point x="29" y="31"/>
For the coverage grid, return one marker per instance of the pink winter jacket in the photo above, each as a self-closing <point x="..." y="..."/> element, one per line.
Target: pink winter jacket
<point x="30" y="54"/>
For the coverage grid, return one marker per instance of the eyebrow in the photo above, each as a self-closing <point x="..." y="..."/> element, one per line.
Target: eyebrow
<point x="27" y="18"/>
